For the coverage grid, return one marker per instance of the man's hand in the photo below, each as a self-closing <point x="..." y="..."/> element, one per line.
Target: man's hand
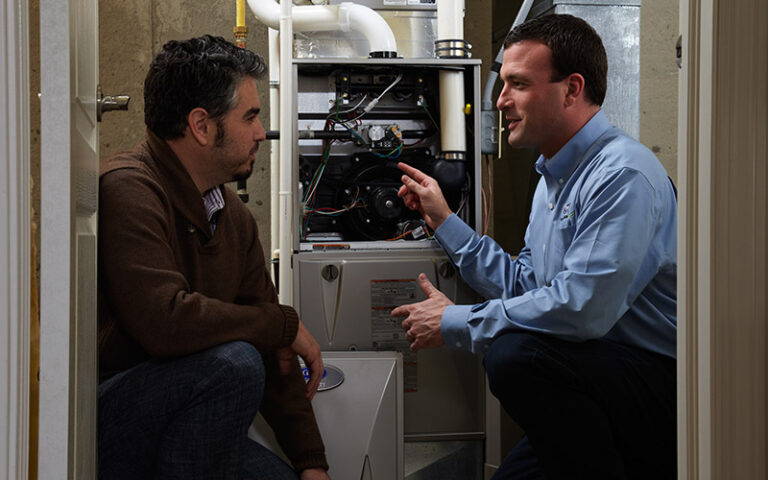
<point x="422" y="323"/>
<point x="314" y="474"/>
<point x="307" y="348"/>
<point x="422" y="193"/>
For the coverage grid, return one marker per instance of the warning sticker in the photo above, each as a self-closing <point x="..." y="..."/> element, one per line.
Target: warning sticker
<point x="386" y="332"/>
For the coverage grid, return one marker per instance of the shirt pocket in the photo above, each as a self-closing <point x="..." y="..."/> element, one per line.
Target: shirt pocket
<point x="559" y="242"/>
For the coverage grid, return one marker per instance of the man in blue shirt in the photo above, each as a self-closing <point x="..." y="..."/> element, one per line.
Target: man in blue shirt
<point x="579" y="330"/>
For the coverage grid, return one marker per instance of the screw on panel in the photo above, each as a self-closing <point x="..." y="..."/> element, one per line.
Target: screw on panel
<point x="446" y="270"/>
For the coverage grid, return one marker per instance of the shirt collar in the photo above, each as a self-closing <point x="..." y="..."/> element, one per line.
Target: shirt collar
<point x="565" y="161"/>
<point x="213" y="201"/>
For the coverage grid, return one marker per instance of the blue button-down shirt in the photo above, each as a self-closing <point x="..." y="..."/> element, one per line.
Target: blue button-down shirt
<point x="599" y="257"/>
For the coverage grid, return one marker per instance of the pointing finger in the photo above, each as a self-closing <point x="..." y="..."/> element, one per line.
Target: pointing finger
<point x="413" y="186"/>
<point x="414" y="173"/>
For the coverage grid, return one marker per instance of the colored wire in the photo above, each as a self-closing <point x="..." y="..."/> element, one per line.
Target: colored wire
<point x="393" y="154"/>
<point x="309" y="195"/>
<point x="430" y="116"/>
<point x="426" y="229"/>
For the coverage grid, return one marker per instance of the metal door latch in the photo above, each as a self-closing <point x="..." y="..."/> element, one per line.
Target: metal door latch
<point x="109" y="103"/>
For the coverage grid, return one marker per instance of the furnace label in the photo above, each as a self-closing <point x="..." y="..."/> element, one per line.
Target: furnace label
<point x="386" y="332"/>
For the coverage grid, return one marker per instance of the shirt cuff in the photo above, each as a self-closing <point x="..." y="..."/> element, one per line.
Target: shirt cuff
<point x="453" y="233"/>
<point x="454" y="327"/>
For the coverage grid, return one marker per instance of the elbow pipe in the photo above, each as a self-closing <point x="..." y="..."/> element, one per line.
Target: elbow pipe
<point x="344" y="17"/>
<point x="450" y="175"/>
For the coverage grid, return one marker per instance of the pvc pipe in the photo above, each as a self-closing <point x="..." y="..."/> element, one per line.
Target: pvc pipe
<point x="274" y="146"/>
<point x="450" y="20"/>
<point x="344" y="17"/>
<point x="453" y="123"/>
<point x="286" y="151"/>
<point x="450" y="26"/>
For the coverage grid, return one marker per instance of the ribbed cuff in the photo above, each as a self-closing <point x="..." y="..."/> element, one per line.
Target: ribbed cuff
<point x="310" y="460"/>
<point x="291" y="325"/>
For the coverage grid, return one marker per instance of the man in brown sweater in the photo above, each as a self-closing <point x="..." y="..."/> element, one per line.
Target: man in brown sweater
<point x="192" y="340"/>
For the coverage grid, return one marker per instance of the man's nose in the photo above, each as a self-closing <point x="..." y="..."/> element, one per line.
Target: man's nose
<point x="504" y="99"/>
<point x="259" y="134"/>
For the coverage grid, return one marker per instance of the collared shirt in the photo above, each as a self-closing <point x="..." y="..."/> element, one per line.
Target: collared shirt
<point x="600" y="255"/>
<point x="214" y="202"/>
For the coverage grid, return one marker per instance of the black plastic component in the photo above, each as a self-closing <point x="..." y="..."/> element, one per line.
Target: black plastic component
<point x="383" y="54"/>
<point x="371" y="184"/>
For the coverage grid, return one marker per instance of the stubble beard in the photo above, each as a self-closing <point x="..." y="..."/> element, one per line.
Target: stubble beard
<point x="221" y="141"/>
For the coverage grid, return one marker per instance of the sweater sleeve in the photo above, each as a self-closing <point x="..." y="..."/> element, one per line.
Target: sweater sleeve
<point x="147" y="291"/>
<point x="290" y="414"/>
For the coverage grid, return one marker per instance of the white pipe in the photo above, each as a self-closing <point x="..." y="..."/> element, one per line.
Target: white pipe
<point x="274" y="145"/>
<point x="286" y="151"/>
<point x="453" y="135"/>
<point x="344" y="17"/>
<point x="450" y="26"/>
<point x="450" y="20"/>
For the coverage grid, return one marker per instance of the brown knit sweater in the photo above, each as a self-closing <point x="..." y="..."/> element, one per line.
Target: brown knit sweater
<point x="168" y="288"/>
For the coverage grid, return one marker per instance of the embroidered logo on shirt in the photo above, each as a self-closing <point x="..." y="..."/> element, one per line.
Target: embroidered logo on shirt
<point x="567" y="212"/>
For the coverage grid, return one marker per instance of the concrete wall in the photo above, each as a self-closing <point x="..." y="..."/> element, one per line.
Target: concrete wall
<point x="659" y="30"/>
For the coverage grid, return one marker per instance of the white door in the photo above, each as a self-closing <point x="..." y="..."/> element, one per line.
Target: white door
<point x="14" y="241"/>
<point x="69" y="186"/>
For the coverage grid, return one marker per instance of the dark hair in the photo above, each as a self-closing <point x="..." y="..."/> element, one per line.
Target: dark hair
<point x="200" y="72"/>
<point x="575" y="46"/>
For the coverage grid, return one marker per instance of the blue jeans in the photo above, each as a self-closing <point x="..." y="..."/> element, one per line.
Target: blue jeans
<point x="590" y="410"/>
<point x="186" y="418"/>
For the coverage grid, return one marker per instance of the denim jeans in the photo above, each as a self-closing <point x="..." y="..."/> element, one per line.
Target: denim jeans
<point x="186" y="418"/>
<point x="590" y="410"/>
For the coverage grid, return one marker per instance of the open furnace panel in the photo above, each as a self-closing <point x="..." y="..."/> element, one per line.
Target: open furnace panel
<point x="356" y="121"/>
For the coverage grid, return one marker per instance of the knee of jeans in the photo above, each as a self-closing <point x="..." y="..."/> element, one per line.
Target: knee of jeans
<point x="240" y="364"/>
<point x="508" y="362"/>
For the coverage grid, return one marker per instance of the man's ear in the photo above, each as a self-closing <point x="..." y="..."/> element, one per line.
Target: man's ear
<point x="575" y="84"/>
<point x="198" y="125"/>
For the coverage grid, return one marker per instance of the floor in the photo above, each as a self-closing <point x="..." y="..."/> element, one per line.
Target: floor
<point x="446" y="460"/>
